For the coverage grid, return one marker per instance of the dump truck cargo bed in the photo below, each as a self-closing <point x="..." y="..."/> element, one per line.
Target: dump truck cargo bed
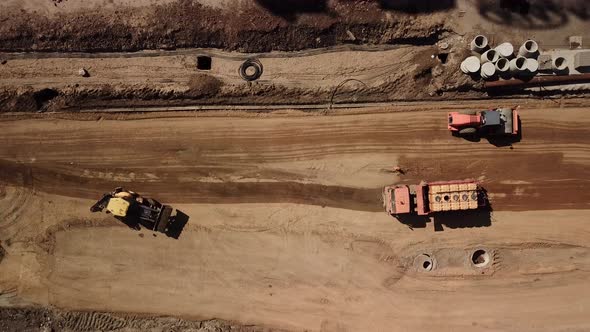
<point x="426" y="198"/>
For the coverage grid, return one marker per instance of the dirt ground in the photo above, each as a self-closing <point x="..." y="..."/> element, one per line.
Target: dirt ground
<point x="280" y="179"/>
<point x="350" y="51"/>
<point x="34" y="319"/>
<point x="286" y="228"/>
<point x="318" y="76"/>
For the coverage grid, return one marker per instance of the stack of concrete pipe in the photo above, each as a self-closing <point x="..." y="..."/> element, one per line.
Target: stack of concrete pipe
<point x="501" y="60"/>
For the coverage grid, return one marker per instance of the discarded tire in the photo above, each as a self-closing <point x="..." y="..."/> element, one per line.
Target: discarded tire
<point x="251" y="74"/>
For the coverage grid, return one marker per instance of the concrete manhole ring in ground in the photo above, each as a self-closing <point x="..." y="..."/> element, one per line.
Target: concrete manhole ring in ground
<point x="425" y="262"/>
<point x="480" y="258"/>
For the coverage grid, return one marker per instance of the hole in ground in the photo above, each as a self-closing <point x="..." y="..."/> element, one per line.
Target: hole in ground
<point x="425" y="262"/>
<point x="203" y="62"/>
<point x="42" y="97"/>
<point x="480" y="258"/>
<point x="443" y="57"/>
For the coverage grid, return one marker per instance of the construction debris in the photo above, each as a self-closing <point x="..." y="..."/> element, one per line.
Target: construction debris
<point x="83" y="72"/>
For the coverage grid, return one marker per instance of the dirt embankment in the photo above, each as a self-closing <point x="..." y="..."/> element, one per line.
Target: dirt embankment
<point x="40" y="319"/>
<point x="426" y="77"/>
<point x="250" y="27"/>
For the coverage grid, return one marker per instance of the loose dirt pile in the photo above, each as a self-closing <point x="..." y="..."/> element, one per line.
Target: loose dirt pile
<point x="249" y="27"/>
<point x="41" y="319"/>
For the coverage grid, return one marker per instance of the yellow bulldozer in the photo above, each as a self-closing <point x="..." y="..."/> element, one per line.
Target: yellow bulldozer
<point x="133" y="209"/>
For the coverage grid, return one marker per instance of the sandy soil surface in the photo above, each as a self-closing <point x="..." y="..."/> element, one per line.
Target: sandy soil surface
<point x="286" y="229"/>
<point x="348" y="50"/>
<point x="314" y="76"/>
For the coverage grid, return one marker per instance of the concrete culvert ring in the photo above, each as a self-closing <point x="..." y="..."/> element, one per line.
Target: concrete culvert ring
<point x="251" y="70"/>
<point x="480" y="258"/>
<point x="481" y="41"/>
<point x="424" y="262"/>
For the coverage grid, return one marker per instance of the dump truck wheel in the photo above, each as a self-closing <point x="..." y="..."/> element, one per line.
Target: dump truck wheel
<point x="164" y="219"/>
<point x="468" y="112"/>
<point x="254" y="63"/>
<point x="467" y="131"/>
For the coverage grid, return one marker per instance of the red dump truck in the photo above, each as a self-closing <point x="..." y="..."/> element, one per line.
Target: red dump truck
<point x="432" y="197"/>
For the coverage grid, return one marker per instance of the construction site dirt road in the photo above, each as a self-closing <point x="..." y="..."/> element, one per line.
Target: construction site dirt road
<point x="286" y="229"/>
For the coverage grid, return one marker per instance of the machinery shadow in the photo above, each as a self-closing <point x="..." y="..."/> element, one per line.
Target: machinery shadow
<point x="289" y="9"/>
<point x="174" y="229"/>
<point x="481" y="217"/>
<point x="451" y="219"/>
<point x="463" y="219"/>
<point x="130" y="222"/>
<point x="177" y="224"/>
<point x="413" y="221"/>
<point x="417" y="6"/>
<point x="533" y="14"/>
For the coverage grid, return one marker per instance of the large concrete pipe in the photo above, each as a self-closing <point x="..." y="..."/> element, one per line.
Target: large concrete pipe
<point x="518" y="65"/>
<point x="470" y="65"/>
<point x="488" y="70"/>
<point x="532" y="66"/>
<point x="505" y="50"/>
<point x="489" y="56"/>
<point x="503" y="67"/>
<point x="479" y="44"/>
<point x="529" y="49"/>
<point x="559" y="64"/>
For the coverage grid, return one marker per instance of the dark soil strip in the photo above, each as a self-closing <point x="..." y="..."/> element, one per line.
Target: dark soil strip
<point x="173" y="190"/>
<point x="184" y="23"/>
<point x="41" y="319"/>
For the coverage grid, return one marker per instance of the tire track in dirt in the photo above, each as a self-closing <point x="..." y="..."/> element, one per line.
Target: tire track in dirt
<point x="200" y="192"/>
<point x="233" y="160"/>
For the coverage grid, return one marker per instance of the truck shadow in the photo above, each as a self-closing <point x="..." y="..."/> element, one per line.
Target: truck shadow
<point x="481" y="217"/>
<point x="451" y="219"/>
<point x="463" y="219"/>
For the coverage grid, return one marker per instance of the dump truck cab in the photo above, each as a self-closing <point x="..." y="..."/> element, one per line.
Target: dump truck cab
<point x="494" y="122"/>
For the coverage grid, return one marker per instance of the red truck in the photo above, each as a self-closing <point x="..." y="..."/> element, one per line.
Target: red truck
<point x="494" y="122"/>
<point x="426" y="198"/>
